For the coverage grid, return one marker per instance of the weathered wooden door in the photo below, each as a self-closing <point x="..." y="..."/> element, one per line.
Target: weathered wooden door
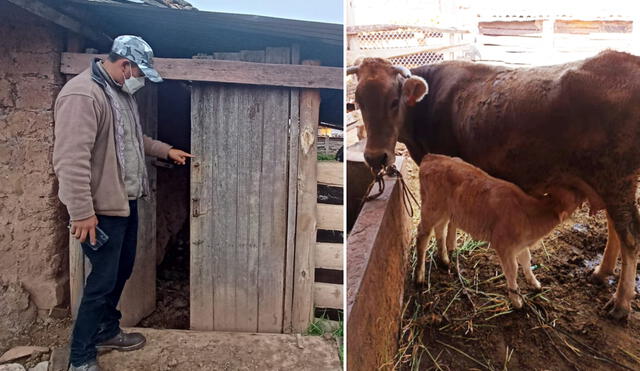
<point x="139" y="296"/>
<point x="240" y="258"/>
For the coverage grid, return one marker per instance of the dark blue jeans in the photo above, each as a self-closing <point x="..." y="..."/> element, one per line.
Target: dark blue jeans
<point x="98" y="319"/>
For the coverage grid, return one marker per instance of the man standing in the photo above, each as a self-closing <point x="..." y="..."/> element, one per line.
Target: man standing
<point x="99" y="160"/>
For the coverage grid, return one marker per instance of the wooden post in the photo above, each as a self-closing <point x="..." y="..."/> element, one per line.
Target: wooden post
<point x="294" y="141"/>
<point x="635" y="35"/>
<point x="353" y="42"/>
<point x="76" y="256"/>
<point x="76" y="274"/>
<point x="302" y="312"/>
<point x="548" y="34"/>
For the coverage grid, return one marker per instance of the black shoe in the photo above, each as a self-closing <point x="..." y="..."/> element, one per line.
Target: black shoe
<point x="123" y="342"/>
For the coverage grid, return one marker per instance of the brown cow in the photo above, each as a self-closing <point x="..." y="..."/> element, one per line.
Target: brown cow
<point x="456" y="194"/>
<point x="576" y="124"/>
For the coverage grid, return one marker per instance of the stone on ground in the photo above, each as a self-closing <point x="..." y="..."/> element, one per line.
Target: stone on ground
<point x="12" y="367"/>
<point x="59" y="359"/>
<point x="194" y="350"/>
<point x="20" y="352"/>
<point x="42" y="366"/>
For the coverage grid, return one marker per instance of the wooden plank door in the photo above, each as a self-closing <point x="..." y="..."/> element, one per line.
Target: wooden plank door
<point x="239" y="189"/>
<point x="139" y="296"/>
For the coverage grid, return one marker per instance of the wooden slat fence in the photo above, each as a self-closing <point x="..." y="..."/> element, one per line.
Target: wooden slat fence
<point x="330" y="211"/>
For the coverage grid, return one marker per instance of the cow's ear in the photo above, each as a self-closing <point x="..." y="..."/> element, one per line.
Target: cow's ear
<point x="414" y="89"/>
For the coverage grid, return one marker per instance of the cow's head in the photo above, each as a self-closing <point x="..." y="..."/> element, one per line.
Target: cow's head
<point x="384" y="93"/>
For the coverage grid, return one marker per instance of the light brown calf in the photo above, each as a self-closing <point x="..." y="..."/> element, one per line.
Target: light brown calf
<point x="456" y="194"/>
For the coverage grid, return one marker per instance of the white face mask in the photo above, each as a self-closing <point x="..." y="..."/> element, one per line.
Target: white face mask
<point x="132" y="84"/>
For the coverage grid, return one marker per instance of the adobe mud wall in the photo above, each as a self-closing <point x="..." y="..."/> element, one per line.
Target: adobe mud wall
<point x="33" y="236"/>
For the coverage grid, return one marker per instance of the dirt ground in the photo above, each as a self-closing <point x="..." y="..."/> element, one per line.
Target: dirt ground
<point x="193" y="350"/>
<point x="172" y="301"/>
<point x="465" y="322"/>
<point x="188" y="350"/>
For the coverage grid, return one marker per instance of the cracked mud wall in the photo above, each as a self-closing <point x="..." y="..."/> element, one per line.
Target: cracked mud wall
<point x="33" y="236"/>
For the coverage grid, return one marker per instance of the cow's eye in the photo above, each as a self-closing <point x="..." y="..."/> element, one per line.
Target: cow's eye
<point x="395" y="103"/>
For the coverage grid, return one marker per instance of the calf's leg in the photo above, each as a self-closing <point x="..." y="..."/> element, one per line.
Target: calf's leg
<point x="422" y="241"/>
<point x="510" y="268"/>
<point x="443" y="255"/>
<point x="610" y="258"/>
<point x="524" y="258"/>
<point x="451" y="236"/>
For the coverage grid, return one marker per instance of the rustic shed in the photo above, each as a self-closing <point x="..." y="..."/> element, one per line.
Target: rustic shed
<point x="244" y="94"/>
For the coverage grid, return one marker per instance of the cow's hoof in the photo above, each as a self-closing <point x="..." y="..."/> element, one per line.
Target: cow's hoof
<point x="516" y="301"/>
<point x="536" y="285"/>
<point x="443" y="264"/>
<point x="616" y="312"/>
<point x="598" y="278"/>
<point x="537" y="288"/>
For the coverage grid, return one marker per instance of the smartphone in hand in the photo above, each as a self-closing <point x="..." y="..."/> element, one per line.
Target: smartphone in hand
<point x="101" y="239"/>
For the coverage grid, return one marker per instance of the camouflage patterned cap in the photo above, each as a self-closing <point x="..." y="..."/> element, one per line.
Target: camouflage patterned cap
<point x="137" y="51"/>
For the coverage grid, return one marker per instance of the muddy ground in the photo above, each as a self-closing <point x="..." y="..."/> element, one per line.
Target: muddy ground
<point x="448" y="327"/>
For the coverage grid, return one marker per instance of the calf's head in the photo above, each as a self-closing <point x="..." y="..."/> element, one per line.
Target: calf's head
<point x="564" y="200"/>
<point x="384" y="94"/>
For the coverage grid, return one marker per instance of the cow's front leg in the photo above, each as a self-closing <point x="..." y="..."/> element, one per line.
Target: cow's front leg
<point x="607" y="266"/>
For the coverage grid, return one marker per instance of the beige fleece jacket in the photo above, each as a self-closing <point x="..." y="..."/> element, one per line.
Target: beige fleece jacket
<point x="84" y="152"/>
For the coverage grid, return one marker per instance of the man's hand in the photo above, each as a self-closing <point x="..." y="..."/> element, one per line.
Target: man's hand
<point x="80" y="229"/>
<point x="179" y="157"/>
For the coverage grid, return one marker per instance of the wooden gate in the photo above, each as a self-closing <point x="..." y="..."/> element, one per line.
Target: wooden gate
<point x="243" y="189"/>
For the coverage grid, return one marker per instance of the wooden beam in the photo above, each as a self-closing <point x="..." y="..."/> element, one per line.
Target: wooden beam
<point x="330" y="217"/>
<point x="330" y="255"/>
<point x="393" y="27"/>
<point x="212" y="70"/>
<point x="45" y="11"/>
<point x="400" y="52"/>
<point x="331" y="173"/>
<point x="303" y="275"/>
<point x="328" y="295"/>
